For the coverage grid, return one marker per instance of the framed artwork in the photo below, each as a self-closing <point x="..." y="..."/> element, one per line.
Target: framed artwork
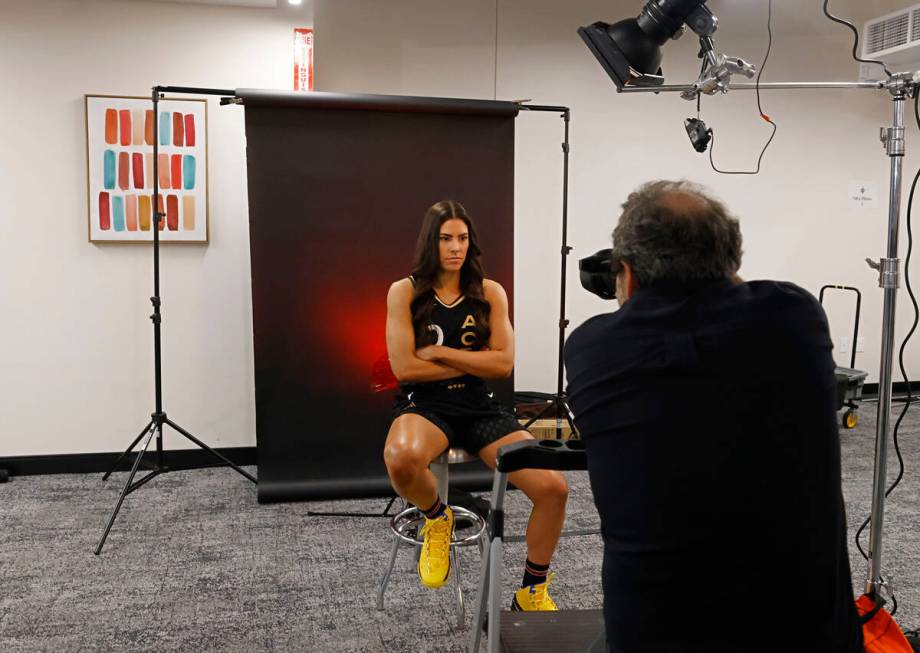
<point x="119" y="169"/>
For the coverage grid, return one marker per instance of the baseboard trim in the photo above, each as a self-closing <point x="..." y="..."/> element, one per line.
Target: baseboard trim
<point x="90" y="463"/>
<point x="896" y="388"/>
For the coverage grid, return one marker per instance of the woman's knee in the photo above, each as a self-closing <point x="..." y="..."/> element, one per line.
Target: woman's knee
<point x="404" y="464"/>
<point x="553" y="489"/>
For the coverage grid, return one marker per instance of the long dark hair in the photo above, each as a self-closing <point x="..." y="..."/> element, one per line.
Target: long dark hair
<point x="426" y="264"/>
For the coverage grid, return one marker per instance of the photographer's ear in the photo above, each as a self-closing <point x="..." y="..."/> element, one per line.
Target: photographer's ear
<point x="627" y="282"/>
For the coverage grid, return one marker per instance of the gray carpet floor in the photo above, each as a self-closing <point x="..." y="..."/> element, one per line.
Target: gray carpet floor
<point x="194" y="563"/>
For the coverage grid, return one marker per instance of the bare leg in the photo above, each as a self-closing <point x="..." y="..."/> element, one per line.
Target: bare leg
<point x="411" y="444"/>
<point x="547" y="490"/>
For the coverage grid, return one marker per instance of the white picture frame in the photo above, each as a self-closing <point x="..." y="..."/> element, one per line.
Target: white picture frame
<point x="119" y="162"/>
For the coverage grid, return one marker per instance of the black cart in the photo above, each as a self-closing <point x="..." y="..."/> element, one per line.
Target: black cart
<point x="849" y="380"/>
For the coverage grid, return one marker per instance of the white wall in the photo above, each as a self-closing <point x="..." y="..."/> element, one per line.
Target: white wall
<point x="795" y="217"/>
<point x="76" y="352"/>
<point x="76" y="371"/>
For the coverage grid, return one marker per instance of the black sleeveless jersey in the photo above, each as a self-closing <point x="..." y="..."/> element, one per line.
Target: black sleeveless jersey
<point x="454" y="324"/>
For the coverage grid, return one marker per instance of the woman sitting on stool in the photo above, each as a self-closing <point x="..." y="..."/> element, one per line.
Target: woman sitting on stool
<point x="447" y="330"/>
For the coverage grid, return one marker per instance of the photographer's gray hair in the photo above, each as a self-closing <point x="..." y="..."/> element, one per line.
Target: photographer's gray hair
<point x="675" y="231"/>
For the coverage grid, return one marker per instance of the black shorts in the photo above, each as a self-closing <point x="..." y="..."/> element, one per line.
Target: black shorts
<point x="463" y="409"/>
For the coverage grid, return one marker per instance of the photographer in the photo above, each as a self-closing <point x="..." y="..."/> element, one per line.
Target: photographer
<point x="708" y="408"/>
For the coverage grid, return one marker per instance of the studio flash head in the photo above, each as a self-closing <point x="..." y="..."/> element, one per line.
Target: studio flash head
<point x="630" y="50"/>
<point x="597" y="274"/>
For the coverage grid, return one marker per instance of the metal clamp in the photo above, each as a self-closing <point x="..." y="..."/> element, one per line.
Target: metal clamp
<point x="893" y="140"/>
<point x="902" y="85"/>
<point x="888" y="272"/>
<point x="889" y="275"/>
<point x="881" y="588"/>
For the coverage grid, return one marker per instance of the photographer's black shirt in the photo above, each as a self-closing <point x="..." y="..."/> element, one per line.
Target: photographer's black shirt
<point x="709" y="415"/>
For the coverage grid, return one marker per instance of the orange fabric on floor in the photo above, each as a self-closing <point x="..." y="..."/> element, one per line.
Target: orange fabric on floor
<point x="880" y="633"/>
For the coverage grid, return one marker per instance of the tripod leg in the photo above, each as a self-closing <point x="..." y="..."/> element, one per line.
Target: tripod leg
<point x="210" y="450"/>
<point x="570" y="418"/>
<point x="385" y="513"/>
<point x="124" y="492"/>
<point x="127" y="451"/>
<point x="546" y="409"/>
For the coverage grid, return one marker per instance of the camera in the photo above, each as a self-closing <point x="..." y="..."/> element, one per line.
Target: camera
<point x="598" y="274"/>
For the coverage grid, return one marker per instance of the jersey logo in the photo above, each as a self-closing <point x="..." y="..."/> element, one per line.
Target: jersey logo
<point x="468" y="322"/>
<point x="439" y="331"/>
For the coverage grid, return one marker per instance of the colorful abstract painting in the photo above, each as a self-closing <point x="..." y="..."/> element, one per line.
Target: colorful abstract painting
<point x="120" y="169"/>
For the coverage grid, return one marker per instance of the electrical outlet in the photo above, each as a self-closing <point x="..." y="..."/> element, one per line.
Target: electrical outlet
<point x="860" y="345"/>
<point x="844" y="345"/>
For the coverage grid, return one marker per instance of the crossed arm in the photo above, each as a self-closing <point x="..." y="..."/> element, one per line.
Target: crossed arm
<point x="437" y="362"/>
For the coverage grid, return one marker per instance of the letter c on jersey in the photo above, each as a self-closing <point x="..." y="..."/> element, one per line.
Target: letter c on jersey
<point x="439" y="331"/>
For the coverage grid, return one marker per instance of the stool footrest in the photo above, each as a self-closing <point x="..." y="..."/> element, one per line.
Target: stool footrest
<point x="410" y="518"/>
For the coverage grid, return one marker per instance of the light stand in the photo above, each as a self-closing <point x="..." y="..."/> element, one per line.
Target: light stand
<point x="557" y="403"/>
<point x="155" y="426"/>
<point x="901" y="86"/>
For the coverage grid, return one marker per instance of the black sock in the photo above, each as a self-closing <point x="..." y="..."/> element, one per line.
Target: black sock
<point x="436" y="510"/>
<point x="534" y="574"/>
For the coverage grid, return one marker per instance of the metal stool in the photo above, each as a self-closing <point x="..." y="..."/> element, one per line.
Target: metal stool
<point x="412" y="519"/>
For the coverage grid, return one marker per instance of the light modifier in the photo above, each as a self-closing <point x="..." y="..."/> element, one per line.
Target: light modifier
<point x="630" y="50"/>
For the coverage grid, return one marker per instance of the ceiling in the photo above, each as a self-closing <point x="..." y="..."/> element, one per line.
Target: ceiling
<point x="261" y="4"/>
<point x="791" y="10"/>
<point x="744" y="16"/>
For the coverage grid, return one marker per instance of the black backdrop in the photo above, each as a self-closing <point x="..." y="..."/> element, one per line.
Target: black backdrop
<point x="338" y="186"/>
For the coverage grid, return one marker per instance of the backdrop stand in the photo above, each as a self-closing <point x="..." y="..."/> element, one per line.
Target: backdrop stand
<point x="557" y="404"/>
<point x="158" y="419"/>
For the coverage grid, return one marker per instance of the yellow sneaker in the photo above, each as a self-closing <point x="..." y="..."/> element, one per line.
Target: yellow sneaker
<point x="534" y="597"/>
<point x="434" y="561"/>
